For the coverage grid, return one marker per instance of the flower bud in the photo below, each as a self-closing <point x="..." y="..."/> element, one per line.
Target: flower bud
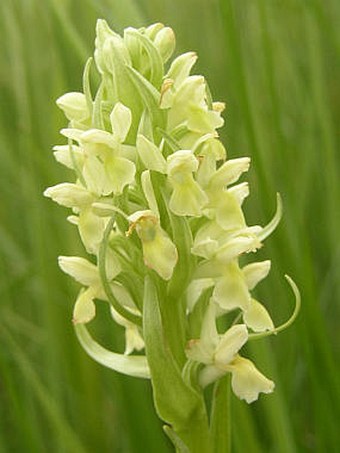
<point x="165" y="42"/>
<point x="74" y="106"/>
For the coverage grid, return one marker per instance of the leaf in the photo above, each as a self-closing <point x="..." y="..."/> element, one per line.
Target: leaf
<point x="220" y="416"/>
<point x="168" y="386"/>
<point x="176" y="440"/>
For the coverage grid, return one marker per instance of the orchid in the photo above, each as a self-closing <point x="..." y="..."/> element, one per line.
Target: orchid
<point x="158" y="207"/>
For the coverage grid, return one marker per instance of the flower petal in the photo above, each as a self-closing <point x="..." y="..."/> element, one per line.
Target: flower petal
<point x="257" y="318"/>
<point x="149" y="191"/>
<point x="84" y="310"/>
<point x="74" y="106"/>
<point x="150" y="154"/>
<point x="230" y="343"/>
<point x="180" y="67"/>
<point x="227" y="210"/>
<point x="69" y="195"/>
<point x="209" y="374"/>
<point x="231" y="290"/>
<point x="80" y="269"/>
<point x="230" y="172"/>
<point x="63" y="156"/>
<point x="121" y="119"/>
<point x="91" y="230"/>
<point x="160" y="254"/>
<point x="133" y="338"/>
<point x="187" y="198"/>
<point x="255" y="272"/>
<point x="120" y="172"/>
<point x="247" y="382"/>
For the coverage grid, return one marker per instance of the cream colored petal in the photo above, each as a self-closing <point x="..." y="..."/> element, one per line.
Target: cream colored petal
<point x="187" y="199"/>
<point x="80" y="269"/>
<point x="240" y="192"/>
<point x="209" y="334"/>
<point x="120" y="172"/>
<point x="113" y="267"/>
<point x="95" y="177"/>
<point x="236" y="246"/>
<point x="206" y="169"/>
<point x="247" y="382"/>
<point x="206" y="248"/>
<point x="63" y="156"/>
<point x="231" y="290"/>
<point x="133" y="338"/>
<point x="230" y="343"/>
<point x="70" y="195"/>
<point x="257" y="318"/>
<point x="74" y="106"/>
<point x="195" y="290"/>
<point x="91" y="230"/>
<point x="181" y="163"/>
<point x="210" y="229"/>
<point x="202" y="120"/>
<point x="150" y="155"/>
<point x="99" y="137"/>
<point x="230" y="172"/>
<point x="210" y="374"/>
<point x="149" y="191"/>
<point x="121" y="119"/>
<point x="72" y="133"/>
<point x="122" y="295"/>
<point x="160" y="254"/>
<point x="255" y="272"/>
<point x="191" y="91"/>
<point x="197" y="350"/>
<point x="165" y="43"/>
<point x="228" y="212"/>
<point x="84" y="310"/>
<point x="181" y="66"/>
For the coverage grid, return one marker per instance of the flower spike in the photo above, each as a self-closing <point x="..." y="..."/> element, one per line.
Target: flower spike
<point x="158" y="206"/>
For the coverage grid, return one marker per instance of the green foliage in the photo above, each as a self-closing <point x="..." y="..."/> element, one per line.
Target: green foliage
<point x="276" y="65"/>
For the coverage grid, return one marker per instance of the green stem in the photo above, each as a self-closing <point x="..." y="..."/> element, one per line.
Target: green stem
<point x="220" y="426"/>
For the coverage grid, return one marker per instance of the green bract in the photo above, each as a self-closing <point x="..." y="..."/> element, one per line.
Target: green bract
<point x="158" y="207"/>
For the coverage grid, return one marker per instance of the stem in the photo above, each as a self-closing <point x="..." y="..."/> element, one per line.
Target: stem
<point x="220" y="426"/>
<point x="102" y="271"/>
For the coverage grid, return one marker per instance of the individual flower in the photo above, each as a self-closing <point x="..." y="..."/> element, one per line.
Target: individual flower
<point x="159" y="252"/>
<point x="219" y="354"/>
<point x="187" y="197"/>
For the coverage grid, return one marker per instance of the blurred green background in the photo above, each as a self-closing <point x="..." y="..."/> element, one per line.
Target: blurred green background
<point x="276" y="64"/>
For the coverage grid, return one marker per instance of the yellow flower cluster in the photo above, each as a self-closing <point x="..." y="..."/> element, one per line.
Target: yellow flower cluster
<point x="150" y="170"/>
